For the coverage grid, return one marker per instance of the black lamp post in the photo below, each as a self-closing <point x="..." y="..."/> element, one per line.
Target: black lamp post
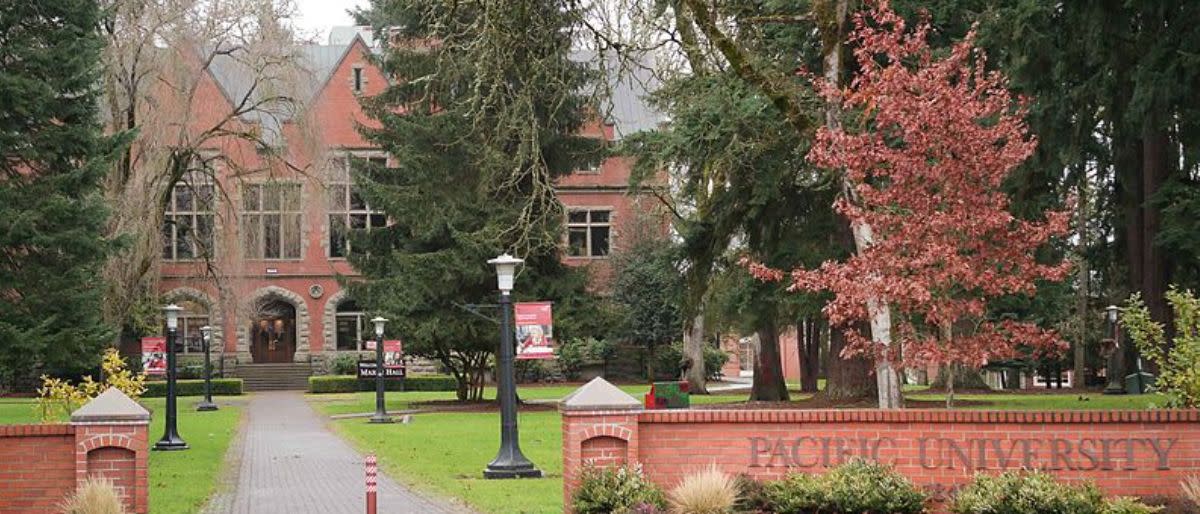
<point x="509" y="462"/>
<point x="170" y="440"/>
<point x="380" y="415"/>
<point x="207" y="404"/>
<point x="1116" y="359"/>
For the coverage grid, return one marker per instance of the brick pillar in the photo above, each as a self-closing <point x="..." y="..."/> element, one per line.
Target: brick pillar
<point x="111" y="441"/>
<point x="600" y="428"/>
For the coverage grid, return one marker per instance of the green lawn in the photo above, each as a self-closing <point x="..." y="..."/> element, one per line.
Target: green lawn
<point x="180" y="482"/>
<point x="446" y="452"/>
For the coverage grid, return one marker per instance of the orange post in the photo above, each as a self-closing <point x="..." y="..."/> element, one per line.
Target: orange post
<point x="372" y="501"/>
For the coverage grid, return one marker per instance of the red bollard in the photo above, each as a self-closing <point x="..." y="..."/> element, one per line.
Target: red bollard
<point x="372" y="502"/>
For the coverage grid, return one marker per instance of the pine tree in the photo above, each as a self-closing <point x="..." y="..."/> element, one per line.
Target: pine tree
<point x="51" y="211"/>
<point x="482" y="117"/>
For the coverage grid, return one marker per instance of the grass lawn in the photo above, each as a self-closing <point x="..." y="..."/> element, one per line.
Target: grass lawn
<point x="446" y="452"/>
<point x="180" y="482"/>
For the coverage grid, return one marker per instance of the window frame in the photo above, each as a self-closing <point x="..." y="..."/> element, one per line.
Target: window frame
<point x="340" y="177"/>
<point x="192" y="182"/>
<point x="588" y="225"/>
<point x="260" y="214"/>
<point x="359" y="323"/>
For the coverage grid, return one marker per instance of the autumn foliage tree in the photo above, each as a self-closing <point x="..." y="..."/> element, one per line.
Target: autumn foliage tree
<point x="925" y="145"/>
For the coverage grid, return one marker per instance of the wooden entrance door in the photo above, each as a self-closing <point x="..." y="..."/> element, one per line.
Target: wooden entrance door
<point x="273" y="333"/>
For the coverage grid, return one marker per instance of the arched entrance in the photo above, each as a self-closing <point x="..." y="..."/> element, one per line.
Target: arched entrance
<point x="273" y="331"/>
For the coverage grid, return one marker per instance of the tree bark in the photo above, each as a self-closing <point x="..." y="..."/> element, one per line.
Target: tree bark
<point x="1083" y="279"/>
<point x="769" y="385"/>
<point x="808" y="342"/>
<point x="847" y="379"/>
<point x="1156" y="266"/>
<point x="693" y="348"/>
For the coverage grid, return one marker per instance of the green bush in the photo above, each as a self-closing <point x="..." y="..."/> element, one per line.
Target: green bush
<point x="1038" y="493"/>
<point x="571" y="356"/>
<point x="858" y="486"/>
<point x="1178" y="360"/>
<point x="350" y="383"/>
<point x="220" y="387"/>
<point x="345" y="364"/>
<point x="619" y="490"/>
<point x="714" y="359"/>
<point x="668" y="358"/>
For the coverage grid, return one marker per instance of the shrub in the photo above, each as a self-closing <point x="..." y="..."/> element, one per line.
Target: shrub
<point x="601" y="350"/>
<point x="571" y="355"/>
<point x="709" y="491"/>
<point x="1037" y="493"/>
<point x="622" y="490"/>
<point x="1179" y="360"/>
<point x="58" y="397"/>
<point x="858" y="486"/>
<point x="669" y="358"/>
<point x="345" y="364"/>
<point x="752" y="495"/>
<point x="319" y="384"/>
<point x="191" y="387"/>
<point x="714" y="359"/>
<point x="94" y="496"/>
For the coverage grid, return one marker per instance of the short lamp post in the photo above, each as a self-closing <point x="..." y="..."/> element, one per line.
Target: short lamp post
<point x="207" y="404"/>
<point x="509" y="462"/>
<point x="1116" y="359"/>
<point x="381" y="415"/>
<point x="170" y="440"/>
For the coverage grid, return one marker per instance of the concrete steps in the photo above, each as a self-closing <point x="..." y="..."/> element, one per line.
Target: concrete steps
<point x="274" y="377"/>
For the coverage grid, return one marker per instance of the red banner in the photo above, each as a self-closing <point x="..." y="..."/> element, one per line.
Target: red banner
<point x="154" y="355"/>
<point x="393" y="354"/>
<point x="535" y="330"/>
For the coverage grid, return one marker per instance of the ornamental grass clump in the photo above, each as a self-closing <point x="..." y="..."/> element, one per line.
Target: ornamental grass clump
<point x="709" y="491"/>
<point x="1191" y="489"/>
<point x="857" y="487"/>
<point x="1036" y="492"/>
<point x="620" y="490"/>
<point x="94" y="496"/>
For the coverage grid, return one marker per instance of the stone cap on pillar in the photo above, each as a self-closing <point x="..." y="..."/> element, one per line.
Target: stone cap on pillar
<point x="599" y="394"/>
<point x="111" y="406"/>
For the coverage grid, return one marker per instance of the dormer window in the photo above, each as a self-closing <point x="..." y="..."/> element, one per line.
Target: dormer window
<point x="358" y="79"/>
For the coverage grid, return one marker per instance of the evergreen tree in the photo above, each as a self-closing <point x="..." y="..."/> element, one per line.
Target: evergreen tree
<point x="51" y="211"/>
<point x="482" y="116"/>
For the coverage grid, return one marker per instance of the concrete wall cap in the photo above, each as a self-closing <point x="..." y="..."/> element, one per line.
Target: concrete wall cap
<point x="599" y="395"/>
<point x="111" y="405"/>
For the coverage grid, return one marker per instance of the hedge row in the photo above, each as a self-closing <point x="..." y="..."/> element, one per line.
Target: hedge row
<point x="350" y="383"/>
<point x="220" y="387"/>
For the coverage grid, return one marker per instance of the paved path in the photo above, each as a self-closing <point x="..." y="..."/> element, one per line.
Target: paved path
<point x="287" y="462"/>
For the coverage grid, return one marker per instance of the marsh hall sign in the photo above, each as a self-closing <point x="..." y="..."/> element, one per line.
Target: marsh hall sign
<point x="1143" y="453"/>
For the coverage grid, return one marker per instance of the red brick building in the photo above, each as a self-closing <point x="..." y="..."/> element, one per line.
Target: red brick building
<point x="278" y="232"/>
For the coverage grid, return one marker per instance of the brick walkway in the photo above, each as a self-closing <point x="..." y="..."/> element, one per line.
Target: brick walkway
<point x="287" y="462"/>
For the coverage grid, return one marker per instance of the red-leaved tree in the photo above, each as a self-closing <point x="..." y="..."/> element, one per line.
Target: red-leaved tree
<point x="924" y="145"/>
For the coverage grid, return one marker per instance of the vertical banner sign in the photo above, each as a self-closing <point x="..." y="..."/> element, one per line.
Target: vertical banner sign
<point x="154" y="355"/>
<point x="535" y="330"/>
<point x="393" y="354"/>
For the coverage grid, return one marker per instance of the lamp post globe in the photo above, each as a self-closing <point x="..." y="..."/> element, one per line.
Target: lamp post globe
<point x="207" y="404"/>
<point x="381" y="415"/>
<point x="509" y="461"/>
<point x="170" y="440"/>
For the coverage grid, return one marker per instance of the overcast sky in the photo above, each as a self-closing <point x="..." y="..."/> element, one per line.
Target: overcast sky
<point x="317" y="16"/>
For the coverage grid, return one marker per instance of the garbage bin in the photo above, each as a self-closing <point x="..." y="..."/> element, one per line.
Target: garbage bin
<point x="1139" y="383"/>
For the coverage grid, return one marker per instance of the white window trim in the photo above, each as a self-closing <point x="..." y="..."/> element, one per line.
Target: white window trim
<point x="612" y="214"/>
<point x="336" y="180"/>
<point x="242" y="217"/>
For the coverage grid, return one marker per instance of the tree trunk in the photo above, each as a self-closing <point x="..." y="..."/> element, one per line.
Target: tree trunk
<point x="952" y="369"/>
<point x="693" y="349"/>
<point x="1082" y="286"/>
<point x="769" y="385"/>
<point x="1156" y="168"/>
<point x="847" y="379"/>
<point x="808" y="342"/>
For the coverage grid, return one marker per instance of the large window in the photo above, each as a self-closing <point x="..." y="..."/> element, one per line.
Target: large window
<point x="588" y="233"/>
<point x="347" y="209"/>
<point x="187" y="231"/>
<point x="193" y="316"/>
<point x="350" y="325"/>
<point x="271" y="221"/>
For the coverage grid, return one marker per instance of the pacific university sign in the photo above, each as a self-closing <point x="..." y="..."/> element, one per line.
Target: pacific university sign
<point x="969" y="454"/>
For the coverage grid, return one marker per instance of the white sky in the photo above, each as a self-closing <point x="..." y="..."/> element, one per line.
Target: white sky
<point x="317" y="16"/>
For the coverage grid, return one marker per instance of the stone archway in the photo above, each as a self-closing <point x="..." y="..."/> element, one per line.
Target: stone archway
<point x="266" y="294"/>
<point x="329" y="320"/>
<point x="216" y="316"/>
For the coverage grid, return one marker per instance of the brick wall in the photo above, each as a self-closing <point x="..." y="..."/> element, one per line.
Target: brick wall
<point x="41" y="464"/>
<point x="1144" y="453"/>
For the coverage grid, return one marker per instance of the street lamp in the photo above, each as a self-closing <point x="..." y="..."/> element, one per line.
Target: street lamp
<point x="509" y="462"/>
<point x="1116" y="359"/>
<point x="380" y="415"/>
<point x="170" y="440"/>
<point x="207" y="404"/>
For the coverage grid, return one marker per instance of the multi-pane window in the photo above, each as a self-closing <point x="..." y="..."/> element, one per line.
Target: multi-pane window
<point x="348" y="210"/>
<point x="588" y="232"/>
<point x="187" y="231"/>
<point x="190" y="339"/>
<point x="350" y="323"/>
<point x="271" y="226"/>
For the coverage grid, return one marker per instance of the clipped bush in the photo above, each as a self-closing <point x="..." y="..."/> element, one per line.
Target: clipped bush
<point x="320" y="384"/>
<point x="1036" y="492"/>
<point x="709" y="491"/>
<point x="345" y="364"/>
<point x="191" y="387"/>
<point x="858" y="487"/>
<point x="94" y="496"/>
<point x="621" y="490"/>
